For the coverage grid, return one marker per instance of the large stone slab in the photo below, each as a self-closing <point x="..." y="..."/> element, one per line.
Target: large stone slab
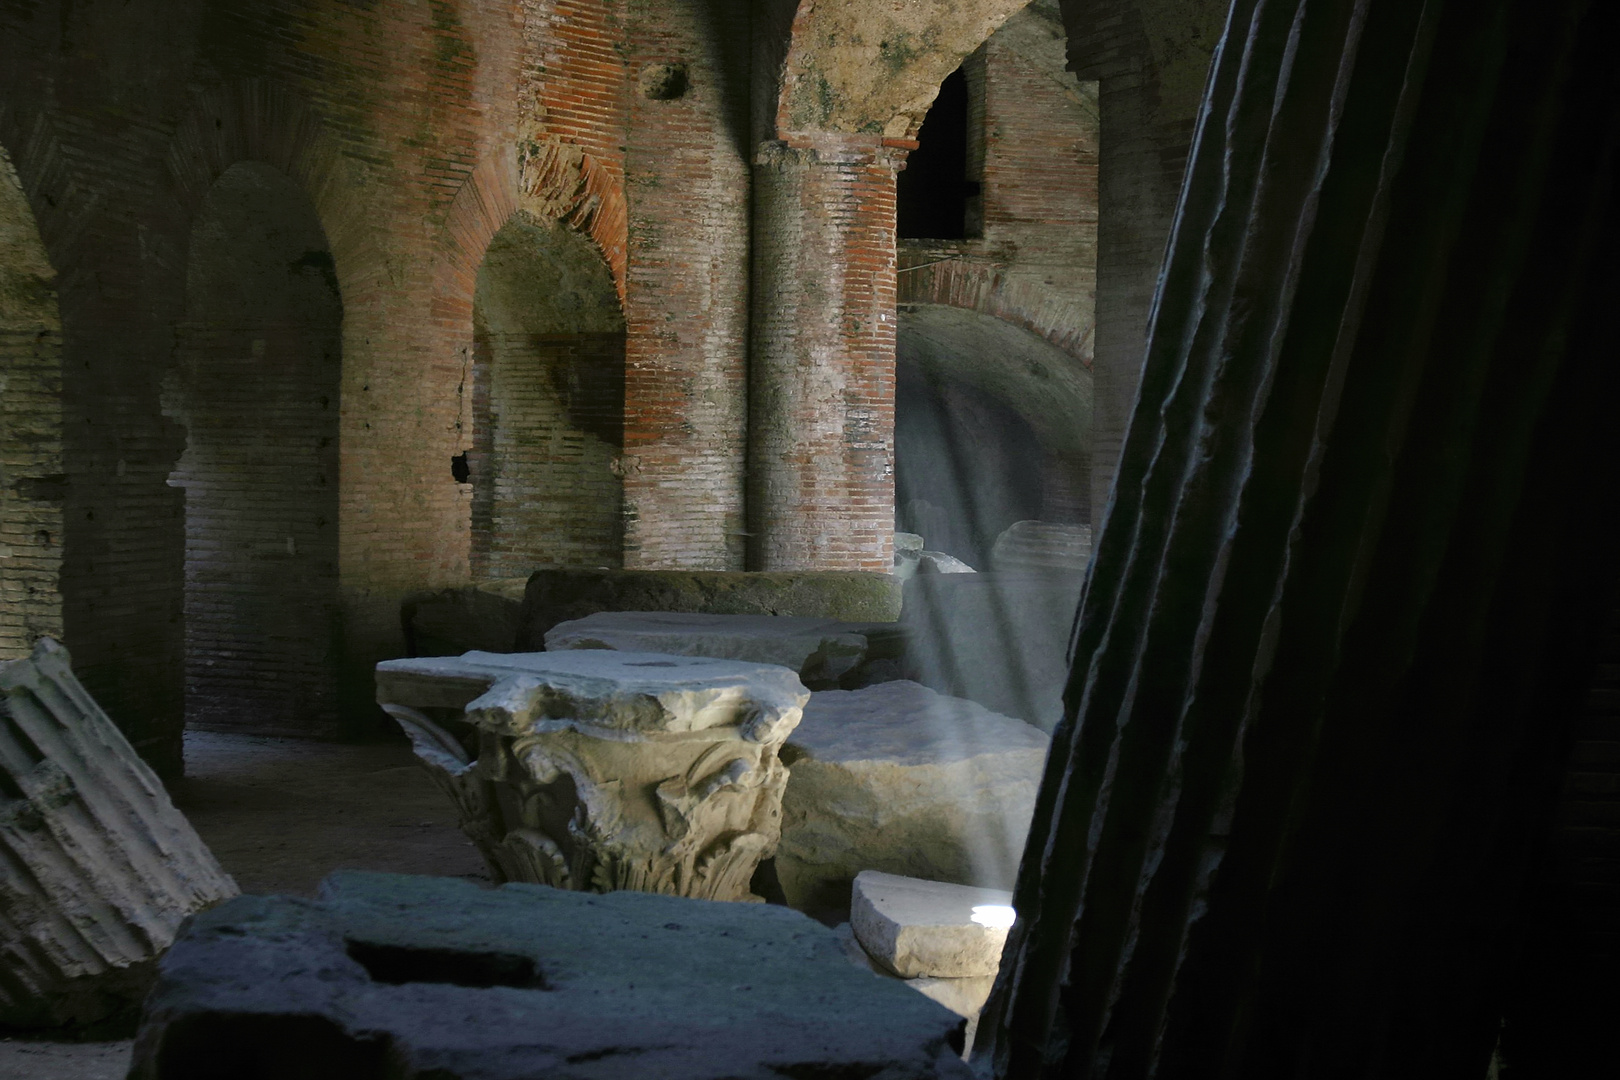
<point x="822" y="651"/>
<point x="97" y="867"/>
<point x="918" y="928"/>
<point x="413" y="977"/>
<point x="898" y="778"/>
<point x="555" y="596"/>
<point x="602" y="770"/>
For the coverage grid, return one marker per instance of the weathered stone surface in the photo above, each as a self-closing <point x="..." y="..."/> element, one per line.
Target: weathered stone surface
<point x="919" y="928"/>
<point x="822" y="651"/>
<point x="601" y="770"/>
<point x="555" y="596"/>
<point x="1042" y="545"/>
<point x="937" y="562"/>
<point x="99" y="867"/>
<point x="999" y="638"/>
<point x="439" y="978"/>
<point x="899" y="778"/>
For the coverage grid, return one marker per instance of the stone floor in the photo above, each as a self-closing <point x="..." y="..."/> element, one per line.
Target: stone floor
<point x="281" y="814"/>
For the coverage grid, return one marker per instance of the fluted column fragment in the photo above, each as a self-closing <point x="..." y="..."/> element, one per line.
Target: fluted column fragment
<point x="97" y="867"/>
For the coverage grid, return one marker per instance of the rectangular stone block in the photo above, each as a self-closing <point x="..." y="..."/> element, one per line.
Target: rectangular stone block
<point x="418" y="977"/>
<point x="919" y="928"/>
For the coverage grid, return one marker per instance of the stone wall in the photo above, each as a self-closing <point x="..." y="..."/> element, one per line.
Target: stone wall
<point x="548" y="404"/>
<point x="255" y="383"/>
<point x="31" y="479"/>
<point x="416" y="131"/>
<point x="686" y="304"/>
<point x="1027" y="273"/>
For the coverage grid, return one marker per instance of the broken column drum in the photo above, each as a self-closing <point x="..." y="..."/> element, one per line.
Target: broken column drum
<point x="598" y="770"/>
<point x="97" y="868"/>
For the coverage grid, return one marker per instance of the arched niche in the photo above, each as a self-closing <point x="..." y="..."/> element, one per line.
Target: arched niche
<point x="31" y="472"/>
<point x="258" y="361"/>
<point x="548" y="403"/>
<point x="992" y="426"/>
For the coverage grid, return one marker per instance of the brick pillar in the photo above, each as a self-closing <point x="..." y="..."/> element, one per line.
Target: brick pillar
<point x="821" y="373"/>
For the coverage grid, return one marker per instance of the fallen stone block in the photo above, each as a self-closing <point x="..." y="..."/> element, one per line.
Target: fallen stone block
<point x="898" y="778"/>
<point x="919" y="928"/>
<point x="558" y="595"/>
<point x="823" y="651"/>
<point x="600" y="770"/>
<point x="416" y="977"/>
<point x="99" y="867"/>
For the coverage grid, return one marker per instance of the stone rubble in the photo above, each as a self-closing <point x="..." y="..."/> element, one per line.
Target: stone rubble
<point x="101" y="869"/>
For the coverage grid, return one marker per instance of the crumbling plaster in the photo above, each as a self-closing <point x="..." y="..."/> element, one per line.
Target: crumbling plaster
<point x="873" y="68"/>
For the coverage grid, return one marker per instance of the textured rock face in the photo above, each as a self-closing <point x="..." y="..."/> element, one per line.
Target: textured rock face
<point x="101" y="868"/>
<point x="901" y="779"/>
<point x="919" y="928"/>
<point x="602" y="770"/>
<point x="415" y="977"/>
<point x="821" y="650"/>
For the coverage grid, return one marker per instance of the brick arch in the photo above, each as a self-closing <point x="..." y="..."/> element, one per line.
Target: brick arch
<point x="1062" y="321"/>
<point x="549" y="179"/>
<point x="255" y="120"/>
<point x="62" y="207"/>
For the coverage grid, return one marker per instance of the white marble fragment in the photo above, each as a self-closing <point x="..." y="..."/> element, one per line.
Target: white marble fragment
<point x="919" y="928"/>
<point x="601" y="770"/>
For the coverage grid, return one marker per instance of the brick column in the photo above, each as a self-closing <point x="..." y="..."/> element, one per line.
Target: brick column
<point x="821" y="373"/>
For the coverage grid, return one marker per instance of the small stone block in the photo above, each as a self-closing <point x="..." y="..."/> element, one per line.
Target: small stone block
<point x="921" y="928"/>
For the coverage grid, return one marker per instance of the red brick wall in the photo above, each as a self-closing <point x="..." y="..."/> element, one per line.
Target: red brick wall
<point x="686" y="297"/>
<point x="822" y="425"/>
<point x="548" y="420"/>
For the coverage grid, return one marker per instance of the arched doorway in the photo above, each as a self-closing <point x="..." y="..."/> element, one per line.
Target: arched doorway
<point x="30" y="428"/>
<point x="992" y="427"/>
<point x="258" y="360"/>
<point x="548" y="404"/>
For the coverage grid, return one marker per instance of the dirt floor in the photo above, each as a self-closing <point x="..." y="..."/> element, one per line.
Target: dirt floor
<point x="280" y="815"/>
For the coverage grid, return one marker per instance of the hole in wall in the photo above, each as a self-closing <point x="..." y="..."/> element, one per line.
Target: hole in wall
<point x="460" y="471"/>
<point x="401" y="964"/>
<point x="933" y="191"/>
